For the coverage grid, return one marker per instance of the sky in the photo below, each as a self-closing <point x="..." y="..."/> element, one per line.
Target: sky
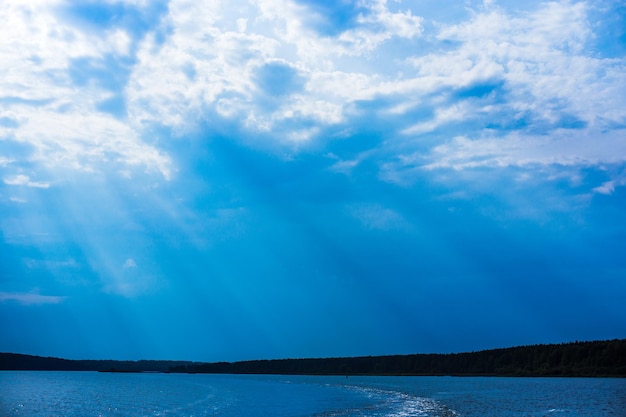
<point x="256" y="179"/>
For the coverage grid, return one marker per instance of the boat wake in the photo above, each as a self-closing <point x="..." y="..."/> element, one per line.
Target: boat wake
<point x="387" y="403"/>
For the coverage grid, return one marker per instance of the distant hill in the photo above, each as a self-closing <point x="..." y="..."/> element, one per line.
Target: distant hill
<point x="577" y="359"/>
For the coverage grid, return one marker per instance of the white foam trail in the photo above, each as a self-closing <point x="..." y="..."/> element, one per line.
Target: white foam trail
<point x="399" y="404"/>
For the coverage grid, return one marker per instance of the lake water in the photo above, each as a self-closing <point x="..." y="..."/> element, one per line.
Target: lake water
<point x="84" y="394"/>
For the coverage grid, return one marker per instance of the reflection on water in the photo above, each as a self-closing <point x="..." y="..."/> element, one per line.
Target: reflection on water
<point x="34" y="393"/>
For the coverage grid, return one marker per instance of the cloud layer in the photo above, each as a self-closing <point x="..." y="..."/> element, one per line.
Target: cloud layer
<point x="84" y="86"/>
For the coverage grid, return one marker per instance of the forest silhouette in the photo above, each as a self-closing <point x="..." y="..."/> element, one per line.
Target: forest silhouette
<point x="577" y="359"/>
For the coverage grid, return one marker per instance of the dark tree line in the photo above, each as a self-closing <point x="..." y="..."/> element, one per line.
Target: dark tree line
<point x="14" y="361"/>
<point x="601" y="358"/>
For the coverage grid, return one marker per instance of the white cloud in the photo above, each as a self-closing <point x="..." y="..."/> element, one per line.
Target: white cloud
<point x="537" y="57"/>
<point x="401" y="24"/>
<point x="83" y="141"/>
<point x="569" y="102"/>
<point x="443" y="115"/>
<point x="224" y="59"/>
<point x="609" y="187"/>
<point x="534" y="66"/>
<point x="60" y="120"/>
<point x="378" y="26"/>
<point x="606" y="188"/>
<point x="5" y="161"/>
<point x="31" y="298"/>
<point x="541" y="58"/>
<point x="560" y="148"/>
<point x="24" y="180"/>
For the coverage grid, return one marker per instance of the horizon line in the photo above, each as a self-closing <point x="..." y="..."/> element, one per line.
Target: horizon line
<point x="319" y="357"/>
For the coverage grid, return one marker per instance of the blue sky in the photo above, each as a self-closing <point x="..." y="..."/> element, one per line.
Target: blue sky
<point x="270" y="178"/>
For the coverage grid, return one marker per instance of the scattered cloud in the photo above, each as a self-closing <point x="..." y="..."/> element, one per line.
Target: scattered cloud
<point x="606" y="188"/>
<point x="561" y="148"/>
<point x="30" y="298"/>
<point x="5" y="161"/>
<point x="24" y="180"/>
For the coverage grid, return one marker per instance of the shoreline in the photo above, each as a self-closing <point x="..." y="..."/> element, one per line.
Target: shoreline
<point x="576" y="359"/>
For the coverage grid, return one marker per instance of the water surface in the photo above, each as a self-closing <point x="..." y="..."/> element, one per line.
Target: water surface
<point x="34" y="393"/>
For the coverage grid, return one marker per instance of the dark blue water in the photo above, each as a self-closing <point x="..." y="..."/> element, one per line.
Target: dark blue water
<point x="34" y="393"/>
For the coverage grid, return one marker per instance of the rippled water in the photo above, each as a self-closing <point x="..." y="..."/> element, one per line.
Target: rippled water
<point x="34" y="393"/>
